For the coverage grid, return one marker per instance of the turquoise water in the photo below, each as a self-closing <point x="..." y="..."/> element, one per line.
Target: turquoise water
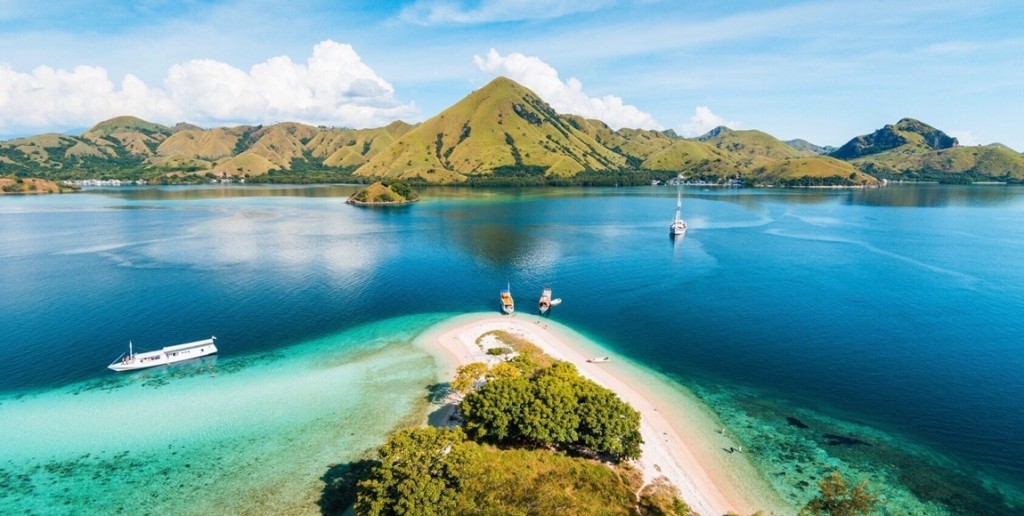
<point x="876" y="332"/>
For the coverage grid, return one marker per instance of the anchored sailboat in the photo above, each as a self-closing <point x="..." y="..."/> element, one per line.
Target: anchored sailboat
<point x="678" y="226"/>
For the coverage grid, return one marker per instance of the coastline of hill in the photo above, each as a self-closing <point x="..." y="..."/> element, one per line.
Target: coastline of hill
<point x="502" y="134"/>
<point x="12" y="185"/>
<point x="381" y="193"/>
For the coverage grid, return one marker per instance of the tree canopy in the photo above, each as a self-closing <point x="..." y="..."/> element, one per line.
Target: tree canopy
<point x="555" y="407"/>
<point x="838" y="499"/>
<point x="436" y="471"/>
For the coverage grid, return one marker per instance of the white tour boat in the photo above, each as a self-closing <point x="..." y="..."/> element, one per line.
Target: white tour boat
<point x="168" y="355"/>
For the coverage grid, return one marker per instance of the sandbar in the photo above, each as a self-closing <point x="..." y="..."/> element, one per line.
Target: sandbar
<point x="683" y="441"/>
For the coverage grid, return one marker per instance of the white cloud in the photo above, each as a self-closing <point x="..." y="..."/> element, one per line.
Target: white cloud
<point x="966" y="138"/>
<point x="333" y="87"/>
<point x="434" y="12"/>
<point x="564" y="97"/>
<point x="704" y="120"/>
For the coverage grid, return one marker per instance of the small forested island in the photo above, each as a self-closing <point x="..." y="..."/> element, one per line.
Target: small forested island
<point x="520" y="431"/>
<point x="11" y="185"/>
<point x="528" y="433"/>
<point x="384" y="193"/>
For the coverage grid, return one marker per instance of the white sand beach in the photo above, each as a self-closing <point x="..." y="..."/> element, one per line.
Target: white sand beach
<point x="682" y="440"/>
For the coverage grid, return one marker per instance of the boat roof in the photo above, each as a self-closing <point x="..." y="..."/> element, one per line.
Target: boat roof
<point x="189" y="345"/>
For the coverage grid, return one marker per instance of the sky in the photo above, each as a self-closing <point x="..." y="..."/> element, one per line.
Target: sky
<point x="820" y="70"/>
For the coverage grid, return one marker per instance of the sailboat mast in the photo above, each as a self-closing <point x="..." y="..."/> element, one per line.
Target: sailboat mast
<point x="130" y="352"/>
<point x="679" y="203"/>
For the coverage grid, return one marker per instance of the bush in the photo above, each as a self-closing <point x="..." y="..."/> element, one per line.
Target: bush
<point x="555" y="407"/>
<point x="661" y="498"/>
<point x="837" y="499"/>
<point x="436" y="471"/>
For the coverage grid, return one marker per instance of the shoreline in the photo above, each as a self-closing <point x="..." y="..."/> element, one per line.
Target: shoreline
<point x="682" y="437"/>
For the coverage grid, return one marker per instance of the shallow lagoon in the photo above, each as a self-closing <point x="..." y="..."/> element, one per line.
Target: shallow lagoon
<point x="886" y="319"/>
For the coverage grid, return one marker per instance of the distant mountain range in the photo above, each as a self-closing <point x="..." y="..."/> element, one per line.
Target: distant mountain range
<point x="502" y="132"/>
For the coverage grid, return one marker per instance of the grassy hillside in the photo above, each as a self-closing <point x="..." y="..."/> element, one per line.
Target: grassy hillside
<point x="910" y="134"/>
<point x="913" y="150"/>
<point x="502" y="126"/>
<point x="809" y="148"/>
<point x="959" y="164"/>
<point x="694" y="159"/>
<point x="30" y="185"/>
<point x="635" y="145"/>
<point x="502" y="133"/>
<point x="812" y="171"/>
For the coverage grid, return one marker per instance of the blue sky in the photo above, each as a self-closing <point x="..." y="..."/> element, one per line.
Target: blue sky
<point x="824" y="71"/>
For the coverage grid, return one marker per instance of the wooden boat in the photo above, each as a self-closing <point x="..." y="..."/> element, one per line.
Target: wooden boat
<point x="545" y="300"/>
<point x="507" y="304"/>
<point x="167" y="355"/>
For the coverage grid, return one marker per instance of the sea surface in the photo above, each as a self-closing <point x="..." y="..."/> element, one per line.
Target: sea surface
<point x="875" y="332"/>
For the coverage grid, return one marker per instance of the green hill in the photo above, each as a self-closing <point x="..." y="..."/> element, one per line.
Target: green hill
<point x="911" y="149"/>
<point x="809" y="148"/>
<point x="813" y="171"/>
<point x="908" y="132"/>
<point x="694" y="159"/>
<point x="10" y="185"/>
<point x="126" y="124"/>
<point x="499" y="128"/>
<point x="502" y="133"/>
<point x="635" y="145"/>
<point x="385" y="192"/>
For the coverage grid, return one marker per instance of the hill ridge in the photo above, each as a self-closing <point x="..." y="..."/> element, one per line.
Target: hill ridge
<point x="503" y="132"/>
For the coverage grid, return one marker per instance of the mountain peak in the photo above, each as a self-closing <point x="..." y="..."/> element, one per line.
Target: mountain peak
<point x="718" y="131"/>
<point x="907" y="131"/>
<point x="501" y="128"/>
<point x="127" y="124"/>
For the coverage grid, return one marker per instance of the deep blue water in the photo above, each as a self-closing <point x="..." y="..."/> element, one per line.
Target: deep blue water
<point x="900" y="309"/>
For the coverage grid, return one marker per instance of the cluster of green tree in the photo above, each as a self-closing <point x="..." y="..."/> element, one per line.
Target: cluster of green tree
<point x="177" y="179"/>
<point x="535" y="176"/>
<point x="307" y="177"/>
<point x="882" y="171"/>
<point x="401" y="188"/>
<point x="432" y="471"/>
<point x="817" y="181"/>
<point x="837" y="498"/>
<point x="553" y="407"/>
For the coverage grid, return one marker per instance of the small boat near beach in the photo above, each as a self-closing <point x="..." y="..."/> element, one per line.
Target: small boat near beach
<point x="545" y="300"/>
<point x="507" y="304"/>
<point x="599" y="360"/>
<point x="168" y="355"/>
